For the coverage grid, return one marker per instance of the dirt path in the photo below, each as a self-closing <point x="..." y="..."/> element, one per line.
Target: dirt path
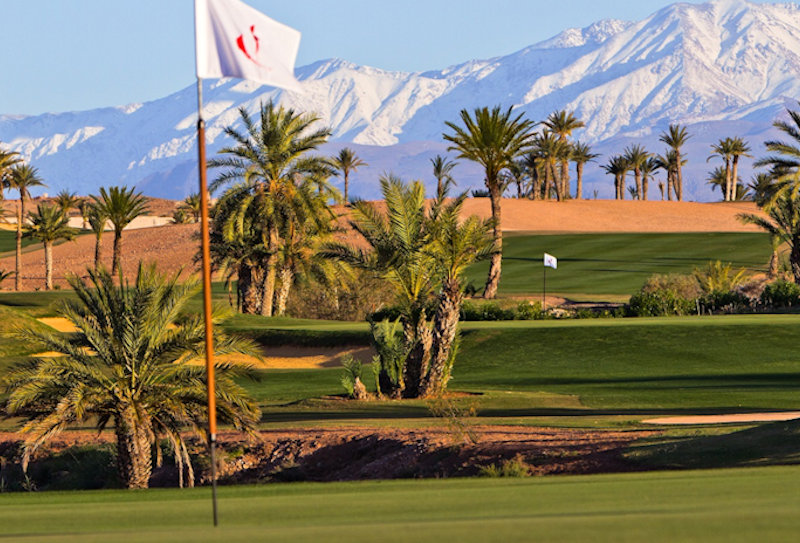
<point x="726" y="419"/>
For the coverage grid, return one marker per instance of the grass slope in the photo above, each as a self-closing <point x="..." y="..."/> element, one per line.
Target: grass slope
<point x="616" y="264"/>
<point x="8" y="241"/>
<point x="730" y="505"/>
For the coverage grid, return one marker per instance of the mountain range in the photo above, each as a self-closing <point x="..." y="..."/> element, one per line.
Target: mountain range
<point x="723" y="68"/>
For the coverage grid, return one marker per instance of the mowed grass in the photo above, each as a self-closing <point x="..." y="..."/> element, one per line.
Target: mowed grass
<point x="598" y="265"/>
<point x="8" y="241"/>
<point x="758" y="504"/>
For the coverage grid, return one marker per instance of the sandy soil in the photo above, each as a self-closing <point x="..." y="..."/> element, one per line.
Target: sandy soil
<point x="726" y="419"/>
<point x="174" y="246"/>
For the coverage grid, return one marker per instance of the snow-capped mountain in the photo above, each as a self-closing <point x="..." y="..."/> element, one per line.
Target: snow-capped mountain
<point x="724" y="68"/>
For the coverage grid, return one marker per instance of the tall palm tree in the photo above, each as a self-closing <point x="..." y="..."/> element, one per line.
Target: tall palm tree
<point x="120" y="205"/>
<point x="66" y="200"/>
<point x="730" y="150"/>
<point x="535" y="169"/>
<point x="636" y="156"/>
<point x="48" y="225"/>
<point x="581" y="154"/>
<point x="347" y="161"/>
<point x="8" y="160"/>
<point x="84" y="206"/>
<point x="562" y="123"/>
<point x="675" y="138"/>
<point x="618" y="167"/>
<point x="648" y="170"/>
<point x="783" y="222"/>
<point x="267" y="161"/>
<point x="494" y="139"/>
<point x="442" y="171"/>
<point x="22" y="178"/>
<point x="128" y="364"/>
<point x="669" y="163"/>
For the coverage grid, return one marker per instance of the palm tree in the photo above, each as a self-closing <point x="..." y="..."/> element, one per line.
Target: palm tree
<point x="551" y="151"/>
<point x="347" y="161"/>
<point x="669" y="163"/>
<point x="48" y="225"/>
<point x="128" y="364"/>
<point x="738" y="150"/>
<point x="618" y="167"/>
<point x="97" y="219"/>
<point x="784" y="163"/>
<point x="494" y="139"/>
<point x="516" y="173"/>
<point x="22" y="178"/>
<point x="442" y="171"/>
<point x="397" y="243"/>
<point x="783" y="223"/>
<point x="730" y="150"/>
<point x="581" y="154"/>
<point x="120" y="205"/>
<point x="84" y="206"/>
<point x="636" y="156"/>
<point x="675" y="138"/>
<point x="8" y="160"/>
<point x="456" y="245"/>
<point x="66" y="200"/>
<point x="562" y="124"/>
<point x="192" y="206"/>
<point x="268" y="161"/>
<point x="648" y="170"/>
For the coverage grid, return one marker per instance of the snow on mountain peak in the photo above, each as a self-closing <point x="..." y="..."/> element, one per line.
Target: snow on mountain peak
<point x="595" y="33"/>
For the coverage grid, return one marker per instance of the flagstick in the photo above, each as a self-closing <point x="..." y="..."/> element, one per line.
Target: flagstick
<point x="544" y="287"/>
<point x="206" y="248"/>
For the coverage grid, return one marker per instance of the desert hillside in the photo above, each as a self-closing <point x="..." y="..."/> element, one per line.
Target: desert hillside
<point x="173" y="247"/>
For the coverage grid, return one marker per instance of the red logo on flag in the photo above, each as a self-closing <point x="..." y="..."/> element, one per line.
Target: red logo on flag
<point x="244" y="47"/>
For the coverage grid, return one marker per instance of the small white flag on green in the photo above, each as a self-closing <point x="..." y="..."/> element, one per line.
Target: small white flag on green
<point x="550" y="261"/>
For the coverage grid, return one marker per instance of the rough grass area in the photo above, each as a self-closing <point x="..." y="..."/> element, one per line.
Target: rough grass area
<point x="758" y="504"/>
<point x="599" y="265"/>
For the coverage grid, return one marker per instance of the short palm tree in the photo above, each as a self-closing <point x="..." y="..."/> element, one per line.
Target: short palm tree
<point x="97" y="219"/>
<point x="636" y="156"/>
<point x="120" y="205"/>
<point x="128" y="364"/>
<point x="48" y="225"/>
<point x="494" y="139"/>
<point x="22" y="178"/>
<point x="581" y="154"/>
<point x="346" y="162"/>
<point x="66" y="200"/>
<point x="442" y="171"/>
<point x="675" y="138"/>
<point x="8" y="160"/>
<point x="191" y="205"/>
<point x="782" y="222"/>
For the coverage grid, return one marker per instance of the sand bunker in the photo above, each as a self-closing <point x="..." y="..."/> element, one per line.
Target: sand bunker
<point x="295" y="358"/>
<point x="726" y="419"/>
<point x="59" y="324"/>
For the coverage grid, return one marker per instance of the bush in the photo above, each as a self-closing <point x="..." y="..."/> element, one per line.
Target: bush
<point x="726" y="302"/>
<point x="659" y="303"/>
<point x="531" y="311"/>
<point x="351" y="375"/>
<point x="514" y="467"/>
<point x="685" y="286"/>
<point x="490" y="311"/>
<point x="781" y="293"/>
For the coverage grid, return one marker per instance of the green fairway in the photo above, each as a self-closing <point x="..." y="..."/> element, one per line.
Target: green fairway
<point x="616" y="264"/>
<point x="8" y="241"/>
<point x="726" y="505"/>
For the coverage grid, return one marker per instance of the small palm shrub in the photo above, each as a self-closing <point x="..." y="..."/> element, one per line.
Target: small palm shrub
<point x="719" y="277"/>
<point x="781" y="293"/>
<point x="388" y="364"/>
<point x="351" y="378"/>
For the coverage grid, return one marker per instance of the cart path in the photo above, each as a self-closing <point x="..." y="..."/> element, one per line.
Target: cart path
<point x="723" y="419"/>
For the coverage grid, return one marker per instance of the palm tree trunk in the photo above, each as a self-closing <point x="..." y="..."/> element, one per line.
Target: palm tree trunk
<point x="445" y="327"/>
<point x="537" y="184"/>
<point x="48" y="265"/>
<point x="117" y="251"/>
<point x="134" y="461"/>
<point x="282" y="296"/>
<point x="772" y="272"/>
<point x="249" y="287"/>
<point x="495" y="265"/>
<point x="98" y="242"/>
<point x="268" y="286"/>
<point x="794" y="258"/>
<point x="564" y="179"/>
<point x="346" y="186"/>
<point x="18" y="262"/>
<point x="644" y="187"/>
<point x="678" y="177"/>
<point x="557" y="183"/>
<point x="548" y="182"/>
<point x="637" y="175"/>
<point x="418" y="359"/>
<point x="728" y="180"/>
<point x="734" y="176"/>
<point x="670" y="184"/>
<point x="579" y="181"/>
<point x="621" y="187"/>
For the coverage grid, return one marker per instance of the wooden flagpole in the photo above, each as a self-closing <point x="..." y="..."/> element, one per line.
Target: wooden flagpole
<point x="206" y="250"/>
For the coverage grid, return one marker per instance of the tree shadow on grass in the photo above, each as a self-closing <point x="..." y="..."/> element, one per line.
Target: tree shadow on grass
<point x="766" y="444"/>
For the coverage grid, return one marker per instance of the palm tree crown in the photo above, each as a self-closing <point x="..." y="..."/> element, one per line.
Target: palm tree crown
<point x="22" y="178"/>
<point x="48" y="225"/>
<point x="347" y="161"/>
<point x="120" y="205"/>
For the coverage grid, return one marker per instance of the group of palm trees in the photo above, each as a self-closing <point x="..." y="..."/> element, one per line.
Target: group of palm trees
<point x="49" y="223"/>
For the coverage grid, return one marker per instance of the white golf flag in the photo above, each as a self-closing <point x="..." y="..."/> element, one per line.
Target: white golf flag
<point x="234" y="40"/>
<point x="550" y="261"/>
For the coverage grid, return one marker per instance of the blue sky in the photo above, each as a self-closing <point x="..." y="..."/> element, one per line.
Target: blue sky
<point x="62" y="55"/>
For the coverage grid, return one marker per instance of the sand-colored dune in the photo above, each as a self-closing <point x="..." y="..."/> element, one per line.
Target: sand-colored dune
<point x="173" y="246"/>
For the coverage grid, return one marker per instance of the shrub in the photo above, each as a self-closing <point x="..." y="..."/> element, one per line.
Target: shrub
<point x="685" y="286"/>
<point x="491" y="311"/>
<point x="529" y="311"/>
<point x="352" y="374"/>
<point x="660" y="303"/>
<point x="388" y="364"/>
<point x="781" y="293"/>
<point x="726" y="302"/>
<point x="514" y="467"/>
<point x="719" y="277"/>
